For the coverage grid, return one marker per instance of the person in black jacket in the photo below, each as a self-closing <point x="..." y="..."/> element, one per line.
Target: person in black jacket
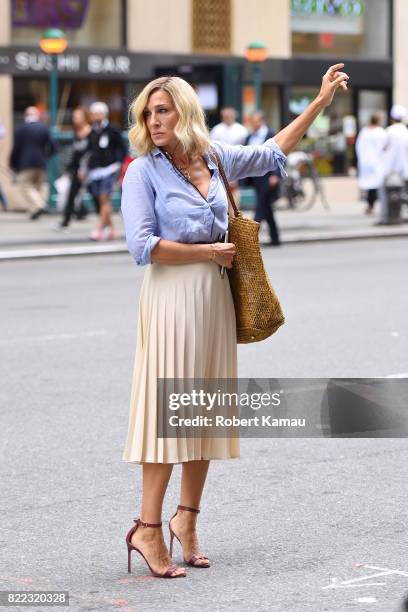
<point x="82" y="129"/>
<point x="102" y="163"/>
<point x="266" y="187"/>
<point x="31" y="150"/>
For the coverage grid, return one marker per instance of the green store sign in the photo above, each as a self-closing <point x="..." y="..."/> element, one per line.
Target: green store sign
<point x="344" y="8"/>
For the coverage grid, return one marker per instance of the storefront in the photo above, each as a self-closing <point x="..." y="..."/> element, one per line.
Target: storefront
<point x="84" y="75"/>
<point x="322" y="31"/>
<point x="359" y="33"/>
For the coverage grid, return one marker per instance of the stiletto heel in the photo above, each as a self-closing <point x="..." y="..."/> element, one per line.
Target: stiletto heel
<point x="171" y="542"/>
<point x="169" y="572"/>
<point x="129" y="560"/>
<point x="194" y="558"/>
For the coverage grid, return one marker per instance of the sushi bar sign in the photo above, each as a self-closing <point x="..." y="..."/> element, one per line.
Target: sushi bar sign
<point x="22" y="61"/>
<point x="68" y="14"/>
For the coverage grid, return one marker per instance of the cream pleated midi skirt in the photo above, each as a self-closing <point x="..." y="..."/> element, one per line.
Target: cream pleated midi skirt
<point x="186" y="329"/>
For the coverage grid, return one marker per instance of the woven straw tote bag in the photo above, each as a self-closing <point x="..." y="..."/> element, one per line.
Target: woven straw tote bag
<point x="257" y="309"/>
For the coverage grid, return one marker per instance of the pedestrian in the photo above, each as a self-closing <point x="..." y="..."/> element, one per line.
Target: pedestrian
<point x="175" y="212"/>
<point x="31" y="151"/>
<point x="370" y="157"/>
<point x="81" y="128"/>
<point x="267" y="186"/>
<point x="395" y="165"/>
<point x="230" y="131"/>
<point x="101" y="166"/>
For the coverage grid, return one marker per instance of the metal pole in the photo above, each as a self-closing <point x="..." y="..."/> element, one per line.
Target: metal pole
<point x="257" y="84"/>
<point x="53" y="91"/>
<point x="53" y="107"/>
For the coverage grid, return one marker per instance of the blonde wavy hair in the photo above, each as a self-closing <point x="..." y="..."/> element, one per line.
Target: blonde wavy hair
<point x="191" y="128"/>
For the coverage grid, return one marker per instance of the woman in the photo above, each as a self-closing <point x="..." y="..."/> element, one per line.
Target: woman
<point x="81" y="126"/>
<point x="370" y="156"/>
<point x="103" y="161"/>
<point x="175" y="213"/>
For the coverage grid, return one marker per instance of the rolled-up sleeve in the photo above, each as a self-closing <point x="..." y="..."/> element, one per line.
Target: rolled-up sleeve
<point x="241" y="161"/>
<point x="138" y="214"/>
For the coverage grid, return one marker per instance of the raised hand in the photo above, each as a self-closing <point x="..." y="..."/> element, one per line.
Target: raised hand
<point x="332" y="80"/>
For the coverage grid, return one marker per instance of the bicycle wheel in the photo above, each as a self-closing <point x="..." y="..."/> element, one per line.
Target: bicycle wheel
<point x="306" y="193"/>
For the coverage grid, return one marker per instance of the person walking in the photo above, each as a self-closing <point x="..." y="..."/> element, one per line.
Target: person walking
<point x="395" y="162"/>
<point x="175" y="207"/>
<point x="267" y="186"/>
<point x="370" y="158"/>
<point x="100" y="167"/>
<point x="29" y="156"/>
<point x="82" y="128"/>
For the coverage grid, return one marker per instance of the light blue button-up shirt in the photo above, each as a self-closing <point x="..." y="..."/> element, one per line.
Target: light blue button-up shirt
<point x="158" y="202"/>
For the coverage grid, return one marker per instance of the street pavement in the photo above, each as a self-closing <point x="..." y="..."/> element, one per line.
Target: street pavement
<point x="22" y="238"/>
<point x="293" y="526"/>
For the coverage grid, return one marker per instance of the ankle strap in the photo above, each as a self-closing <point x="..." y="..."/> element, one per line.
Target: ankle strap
<point x="143" y="524"/>
<point x="188" y="509"/>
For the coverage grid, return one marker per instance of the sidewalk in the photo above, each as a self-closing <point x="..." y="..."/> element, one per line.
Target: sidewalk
<point x="21" y="238"/>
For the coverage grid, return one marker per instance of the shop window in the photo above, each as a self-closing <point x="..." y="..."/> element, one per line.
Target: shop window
<point x="88" y="23"/>
<point x="370" y="102"/>
<point x="341" y="28"/>
<point x="211" y="26"/>
<point x="332" y="135"/>
<point x="73" y="93"/>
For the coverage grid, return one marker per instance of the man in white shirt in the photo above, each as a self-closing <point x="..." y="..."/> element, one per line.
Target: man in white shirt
<point x="229" y="130"/>
<point x="395" y="164"/>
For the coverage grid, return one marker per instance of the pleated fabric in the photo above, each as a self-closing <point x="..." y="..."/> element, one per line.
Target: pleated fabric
<point x="186" y="329"/>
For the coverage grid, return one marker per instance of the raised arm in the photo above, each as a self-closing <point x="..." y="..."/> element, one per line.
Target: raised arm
<point x="288" y="138"/>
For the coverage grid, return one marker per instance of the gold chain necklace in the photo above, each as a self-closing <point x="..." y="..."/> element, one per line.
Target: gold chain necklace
<point x="183" y="169"/>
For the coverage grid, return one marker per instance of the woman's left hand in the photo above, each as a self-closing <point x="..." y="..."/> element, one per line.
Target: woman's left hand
<point x="332" y="80"/>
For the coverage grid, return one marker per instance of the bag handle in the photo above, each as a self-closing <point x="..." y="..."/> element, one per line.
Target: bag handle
<point x="232" y="207"/>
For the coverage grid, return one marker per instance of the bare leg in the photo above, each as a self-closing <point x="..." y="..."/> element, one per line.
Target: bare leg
<point x="193" y="479"/>
<point x="150" y="539"/>
<point x="156" y="477"/>
<point x="105" y="211"/>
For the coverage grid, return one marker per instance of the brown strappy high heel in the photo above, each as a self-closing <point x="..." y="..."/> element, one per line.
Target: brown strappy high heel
<point x="194" y="558"/>
<point x="168" y="573"/>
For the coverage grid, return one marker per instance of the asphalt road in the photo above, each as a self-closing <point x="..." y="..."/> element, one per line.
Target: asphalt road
<point x="292" y="526"/>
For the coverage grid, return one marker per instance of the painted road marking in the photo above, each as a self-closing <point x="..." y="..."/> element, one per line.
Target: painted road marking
<point x="366" y="599"/>
<point x="337" y="584"/>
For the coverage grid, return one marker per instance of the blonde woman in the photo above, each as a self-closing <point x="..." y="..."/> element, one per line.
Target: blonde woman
<point x="175" y="212"/>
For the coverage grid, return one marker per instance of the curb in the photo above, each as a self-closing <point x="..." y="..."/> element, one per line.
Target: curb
<point x="42" y="252"/>
<point x="300" y="238"/>
<point x="47" y="252"/>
